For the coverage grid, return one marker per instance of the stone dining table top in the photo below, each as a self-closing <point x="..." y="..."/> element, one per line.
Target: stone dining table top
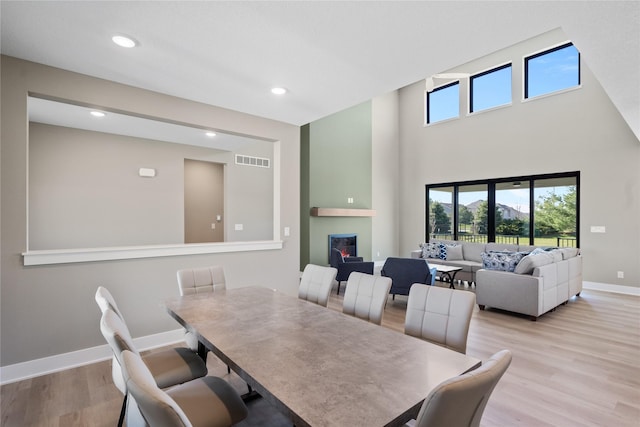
<point x="318" y="366"/>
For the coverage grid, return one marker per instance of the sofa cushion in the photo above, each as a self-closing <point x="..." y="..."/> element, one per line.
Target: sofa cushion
<point x="502" y="261"/>
<point x="501" y="247"/>
<point x="451" y="252"/>
<point x="556" y="254"/>
<point x="533" y="260"/>
<point x="473" y="251"/>
<point x="569" y="252"/>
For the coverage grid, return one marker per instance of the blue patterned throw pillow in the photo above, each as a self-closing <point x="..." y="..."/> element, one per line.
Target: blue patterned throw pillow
<point x="431" y="250"/>
<point x="502" y="261"/>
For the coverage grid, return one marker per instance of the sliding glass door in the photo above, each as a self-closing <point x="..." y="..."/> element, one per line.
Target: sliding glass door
<point x="539" y="209"/>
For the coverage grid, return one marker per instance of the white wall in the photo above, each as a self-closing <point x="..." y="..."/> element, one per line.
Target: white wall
<point x="385" y="176"/>
<point x="579" y="130"/>
<point x="50" y="310"/>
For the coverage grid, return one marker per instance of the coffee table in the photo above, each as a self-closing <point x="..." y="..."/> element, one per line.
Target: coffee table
<point x="446" y="271"/>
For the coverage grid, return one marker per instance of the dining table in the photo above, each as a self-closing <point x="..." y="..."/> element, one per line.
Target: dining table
<point x="316" y="365"/>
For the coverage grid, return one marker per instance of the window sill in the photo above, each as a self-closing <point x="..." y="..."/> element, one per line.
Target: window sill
<point x="66" y="256"/>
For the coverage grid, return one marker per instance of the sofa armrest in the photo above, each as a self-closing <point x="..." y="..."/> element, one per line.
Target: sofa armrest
<point x="520" y="293"/>
<point x="416" y="254"/>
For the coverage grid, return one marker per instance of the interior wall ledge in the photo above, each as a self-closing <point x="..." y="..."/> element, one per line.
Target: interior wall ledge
<point x="66" y="256"/>
<point x="316" y="211"/>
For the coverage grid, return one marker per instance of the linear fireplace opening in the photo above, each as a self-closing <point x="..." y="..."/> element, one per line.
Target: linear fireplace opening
<point x="347" y="244"/>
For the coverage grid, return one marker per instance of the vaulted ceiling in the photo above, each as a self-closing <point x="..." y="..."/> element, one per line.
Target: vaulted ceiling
<point x="329" y="55"/>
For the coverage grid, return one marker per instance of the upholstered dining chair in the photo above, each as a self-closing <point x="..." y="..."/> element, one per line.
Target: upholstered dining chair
<point x="105" y="300"/>
<point x="366" y="296"/>
<point x="197" y="281"/>
<point x="316" y="283"/>
<point x="440" y="315"/>
<point x="207" y="401"/>
<point x="168" y="367"/>
<point x="460" y="401"/>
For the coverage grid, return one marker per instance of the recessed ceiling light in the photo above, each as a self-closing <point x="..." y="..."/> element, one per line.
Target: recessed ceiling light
<point x="278" y="91"/>
<point x="97" y="114"/>
<point x="210" y="134"/>
<point x="124" y="41"/>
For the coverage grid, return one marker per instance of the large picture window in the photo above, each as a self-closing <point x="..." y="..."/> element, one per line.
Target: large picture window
<point x="540" y="210"/>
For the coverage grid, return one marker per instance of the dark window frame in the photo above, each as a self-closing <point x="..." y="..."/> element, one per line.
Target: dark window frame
<point x="428" y="101"/>
<point x="491" y="200"/>
<point x="484" y="73"/>
<point x="546" y="52"/>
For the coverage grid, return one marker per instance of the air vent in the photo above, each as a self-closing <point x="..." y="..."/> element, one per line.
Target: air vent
<point x="252" y="161"/>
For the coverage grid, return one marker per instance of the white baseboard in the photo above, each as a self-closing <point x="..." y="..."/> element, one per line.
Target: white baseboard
<point x="607" y="287"/>
<point x="60" y="362"/>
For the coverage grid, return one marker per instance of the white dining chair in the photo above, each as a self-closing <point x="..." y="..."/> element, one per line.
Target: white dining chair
<point x="315" y="284"/>
<point x="198" y="281"/>
<point x="460" y="401"/>
<point x="168" y="367"/>
<point x="439" y="315"/>
<point x="366" y="296"/>
<point x="207" y="401"/>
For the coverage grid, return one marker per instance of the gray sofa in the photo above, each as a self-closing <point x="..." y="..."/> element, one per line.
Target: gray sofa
<point x="539" y="279"/>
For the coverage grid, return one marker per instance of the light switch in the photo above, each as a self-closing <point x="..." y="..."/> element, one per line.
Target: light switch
<point x="213" y="225"/>
<point x="287" y="232"/>
<point x="239" y="227"/>
<point x="598" y="229"/>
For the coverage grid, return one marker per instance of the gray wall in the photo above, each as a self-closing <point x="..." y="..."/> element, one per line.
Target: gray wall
<point x="579" y="130"/>
<point x="49" y="310"/>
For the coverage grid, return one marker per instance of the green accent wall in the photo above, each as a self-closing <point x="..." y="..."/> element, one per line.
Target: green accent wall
<point x="336" y="154"/>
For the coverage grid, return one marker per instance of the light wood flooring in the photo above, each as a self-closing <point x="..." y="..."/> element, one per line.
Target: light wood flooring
<point x="576" y="366"/>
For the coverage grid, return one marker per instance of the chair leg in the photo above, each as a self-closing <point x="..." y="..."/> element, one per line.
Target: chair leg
<point x="202" y="351"/>
<point x="338" y="287"/>
<point x="123" y="410"/>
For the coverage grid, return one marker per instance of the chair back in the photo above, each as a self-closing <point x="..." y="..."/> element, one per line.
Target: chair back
<point x="439" y="315"/>
<point x="199" y="280"/>
<point x="117" y="334"/>
<point x="316" y="283"/>
<point x="156" y="406"/>
<point x="106" y="301"/>
<point x="460" y="401"/>
<point x="336" y="258"/>
<point x="404" y="272"/>
<point x="365" y="296"/>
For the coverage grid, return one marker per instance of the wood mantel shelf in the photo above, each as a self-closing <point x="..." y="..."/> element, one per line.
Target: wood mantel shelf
<point x="342" y="212"/>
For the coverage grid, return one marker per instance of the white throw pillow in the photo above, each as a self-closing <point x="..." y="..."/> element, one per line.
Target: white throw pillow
<point x="454" y="253"/>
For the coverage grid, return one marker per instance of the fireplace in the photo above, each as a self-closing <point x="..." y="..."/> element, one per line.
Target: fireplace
<point x="345" y="243"/>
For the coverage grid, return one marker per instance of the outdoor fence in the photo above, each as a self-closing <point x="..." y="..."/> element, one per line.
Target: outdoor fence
<point x="561" y="242"/>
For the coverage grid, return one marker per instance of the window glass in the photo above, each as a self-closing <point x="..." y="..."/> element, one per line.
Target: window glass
<point x="512" y="212"/>
<point x="555" y="213"/>
<point x="472" y="208"/>
<point x="441" y="213"/>
<point x="443" y="103"/>
<point x="552" y="71"/>
<point x="490" y="89"/>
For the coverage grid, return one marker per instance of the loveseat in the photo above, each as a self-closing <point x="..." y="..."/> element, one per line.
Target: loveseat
<point x="524" y="279"/>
